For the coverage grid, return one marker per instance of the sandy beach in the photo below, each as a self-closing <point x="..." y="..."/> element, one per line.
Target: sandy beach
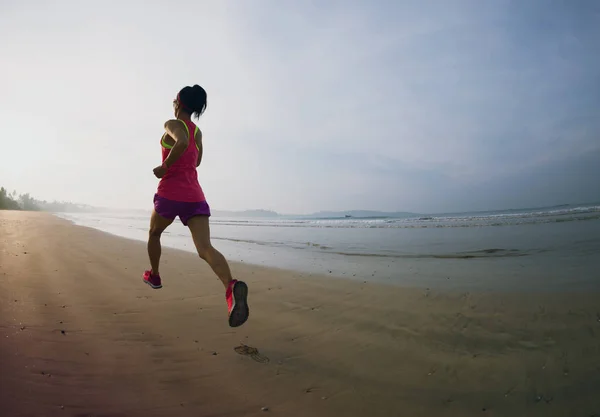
<point x="81" y="335"/>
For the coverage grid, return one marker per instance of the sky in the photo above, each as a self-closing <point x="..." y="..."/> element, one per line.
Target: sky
<point x="423" y="106"/>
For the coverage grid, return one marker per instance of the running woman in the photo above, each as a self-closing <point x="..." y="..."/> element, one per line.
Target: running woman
<point x="179" y="195"/>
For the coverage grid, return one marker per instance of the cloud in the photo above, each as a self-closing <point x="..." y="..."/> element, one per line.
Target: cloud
<point x="455" y="91"/>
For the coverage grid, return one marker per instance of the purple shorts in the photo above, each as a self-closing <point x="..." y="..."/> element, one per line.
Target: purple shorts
<point x="170" y="209"/>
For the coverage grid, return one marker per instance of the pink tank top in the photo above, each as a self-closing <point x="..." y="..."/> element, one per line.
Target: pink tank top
<point x="180" y="183"/>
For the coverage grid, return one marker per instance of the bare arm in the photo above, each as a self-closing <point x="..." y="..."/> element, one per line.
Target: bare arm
<point x="176" y="130"/>
<point x="199" y="144"/>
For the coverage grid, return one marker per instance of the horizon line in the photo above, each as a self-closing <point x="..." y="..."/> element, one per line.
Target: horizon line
<point x="345" y="212"/>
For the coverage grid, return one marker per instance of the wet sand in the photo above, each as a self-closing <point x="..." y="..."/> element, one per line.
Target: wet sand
<point x="81" y="335"/>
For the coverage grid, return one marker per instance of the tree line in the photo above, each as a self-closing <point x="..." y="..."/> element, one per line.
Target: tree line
<point x="14" y="201"/>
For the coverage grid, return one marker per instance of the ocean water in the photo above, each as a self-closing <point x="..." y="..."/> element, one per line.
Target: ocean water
<point x="550" y="249"/>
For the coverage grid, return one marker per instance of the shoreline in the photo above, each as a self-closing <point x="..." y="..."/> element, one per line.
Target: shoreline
<point x="83" y="335"/>
<point x="484" y="270"/>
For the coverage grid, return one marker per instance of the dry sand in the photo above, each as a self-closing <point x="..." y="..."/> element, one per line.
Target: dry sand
<point x="81" y="335"/>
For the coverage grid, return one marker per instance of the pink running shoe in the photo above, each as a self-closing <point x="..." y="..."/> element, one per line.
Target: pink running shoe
<point x="152" y="280"/>
<point x="237" y="303"/>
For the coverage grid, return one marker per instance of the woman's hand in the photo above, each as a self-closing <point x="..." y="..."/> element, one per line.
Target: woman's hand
<point x="160" y="171"/>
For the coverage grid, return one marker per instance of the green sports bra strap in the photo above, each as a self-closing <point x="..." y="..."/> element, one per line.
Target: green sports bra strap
<point x="167" y="146"/>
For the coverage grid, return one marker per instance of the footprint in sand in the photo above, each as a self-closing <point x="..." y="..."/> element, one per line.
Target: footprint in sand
<point x="252" y="352"/>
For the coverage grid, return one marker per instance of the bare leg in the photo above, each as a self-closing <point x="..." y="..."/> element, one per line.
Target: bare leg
<point x="201" y="234"/>
<point x="158" y="224"/>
